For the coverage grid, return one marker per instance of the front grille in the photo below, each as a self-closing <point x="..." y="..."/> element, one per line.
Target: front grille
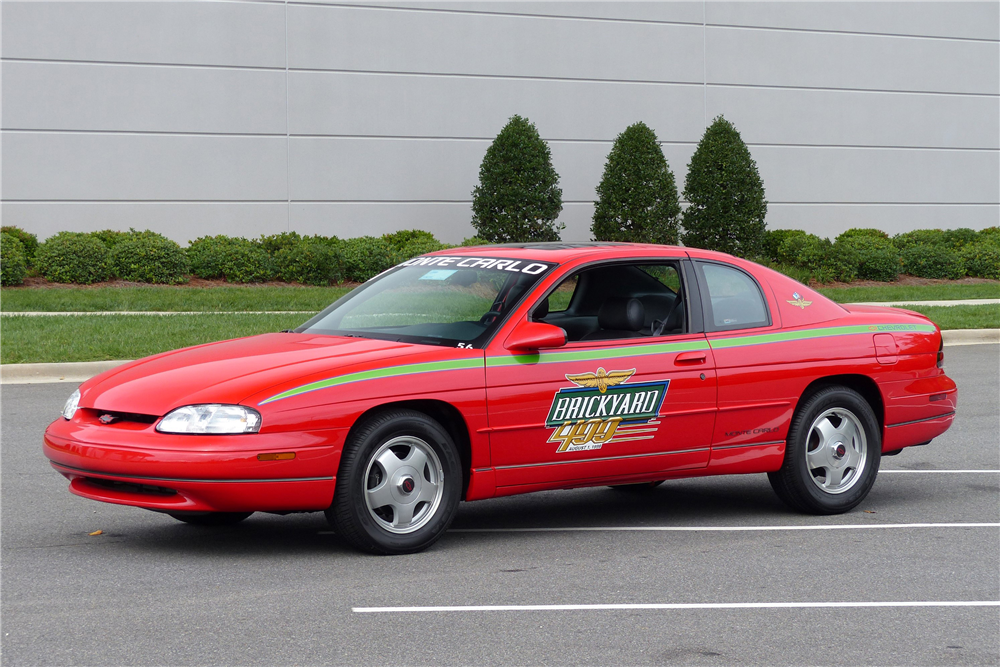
<point x="130" y="487"/>
<point x="114" y="417"/>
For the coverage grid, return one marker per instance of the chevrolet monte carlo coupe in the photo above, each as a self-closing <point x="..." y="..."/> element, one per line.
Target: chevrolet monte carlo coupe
<point x="480" y="372"/>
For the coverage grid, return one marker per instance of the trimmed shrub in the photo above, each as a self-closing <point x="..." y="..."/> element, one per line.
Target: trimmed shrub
<point x="932" y="261"/>
<point x="727" y="205"/>
<point x="773" y="238"/>
<point x="518" y="197"/>
<point x="310" y="261"/>
<point x="982" y="259"/>
<point x="863" y="233"/>
<point x="275" y="243"/>
<point x="111" y="237"/>
<point x="957" y="238"/>
<point x="148" y="258"/>
<point x="878" y="258"/>
<point x="410" y="243"/>
<point x="791" y="249"/>
<point x="918" y="237"/>
<point x="404" y="237"/>
<point x="365" y="257"/>
<point x="72" y="257"/>
<point x="474" y="241"/>
<point x="418" y="247"/>
<point x="29" y="242"/>
<point x="13" y="260"/>
<point x="824" y="261"/>
<point x="988" y="235"/>
<point x="637" y="197"/>
<point x="238" y="260"/>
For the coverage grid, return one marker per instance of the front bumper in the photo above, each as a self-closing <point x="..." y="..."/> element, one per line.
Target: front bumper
<point x="127" y="465"/>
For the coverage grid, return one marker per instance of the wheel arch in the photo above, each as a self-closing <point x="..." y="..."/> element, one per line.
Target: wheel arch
<point x="862" y="384"/>
<point x="442" y="412"/>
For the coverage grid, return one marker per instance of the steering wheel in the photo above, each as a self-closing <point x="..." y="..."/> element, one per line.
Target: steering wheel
<point x="487" y="318"/>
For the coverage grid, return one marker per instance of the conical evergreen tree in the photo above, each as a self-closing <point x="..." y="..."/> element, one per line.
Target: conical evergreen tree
<point x="726" y="196"/>
<point x="518" y="197"/>
<point x="637" y="196"/>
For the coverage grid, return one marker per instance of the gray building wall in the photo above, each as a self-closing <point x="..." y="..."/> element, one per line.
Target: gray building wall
<point x="244" y="118"/>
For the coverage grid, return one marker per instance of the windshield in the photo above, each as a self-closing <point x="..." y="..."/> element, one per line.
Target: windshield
<point x="440" y="300"/>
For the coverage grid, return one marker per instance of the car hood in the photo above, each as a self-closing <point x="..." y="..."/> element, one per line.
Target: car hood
<point x="231" y="371"/>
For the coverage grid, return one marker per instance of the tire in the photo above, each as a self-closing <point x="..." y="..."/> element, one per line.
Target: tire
<point x="212" y="518"/>
<point x="637" y="488"/>
<point x="832" y="453"/>
<point x="399" y="484"/>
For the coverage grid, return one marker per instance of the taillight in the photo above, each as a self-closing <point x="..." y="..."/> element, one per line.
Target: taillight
<point x="940" y="356"/>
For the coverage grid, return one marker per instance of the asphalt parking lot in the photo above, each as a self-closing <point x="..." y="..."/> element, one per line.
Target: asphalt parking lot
<point x="284" y="590"/>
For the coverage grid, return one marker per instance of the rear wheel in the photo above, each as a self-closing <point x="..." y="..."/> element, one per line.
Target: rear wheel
<point x="212" y="518"/>
<point x="832" y="454"/>
<point x="399" y="484"/>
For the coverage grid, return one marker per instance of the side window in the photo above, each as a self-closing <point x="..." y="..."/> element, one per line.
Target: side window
<point x="615" y="301"/>
<point x="735" y="299"/>
<point x="559" y="299"/>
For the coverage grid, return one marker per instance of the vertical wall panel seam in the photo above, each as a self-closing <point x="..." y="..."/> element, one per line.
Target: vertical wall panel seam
<point x="288" y="139"/>
<point x="704" y="59"/>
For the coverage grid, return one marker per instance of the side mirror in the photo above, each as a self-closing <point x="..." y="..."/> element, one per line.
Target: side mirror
<point x="531" y="336"/>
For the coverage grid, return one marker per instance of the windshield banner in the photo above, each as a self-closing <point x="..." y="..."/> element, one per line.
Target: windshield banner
<point x="494" y="263"/>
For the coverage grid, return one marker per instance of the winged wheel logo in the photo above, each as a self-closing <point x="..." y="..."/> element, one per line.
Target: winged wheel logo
<point x="799" y="301"/>
<point x="601" y="379"/>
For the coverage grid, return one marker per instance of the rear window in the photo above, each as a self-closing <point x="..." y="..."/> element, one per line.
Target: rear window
<point x="735" y="299"/>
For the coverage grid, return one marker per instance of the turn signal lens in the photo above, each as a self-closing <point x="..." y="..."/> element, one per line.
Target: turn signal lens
<point x="276" y="456"/>
<point x="211" y="419"/>
<point x="940" y="356"/>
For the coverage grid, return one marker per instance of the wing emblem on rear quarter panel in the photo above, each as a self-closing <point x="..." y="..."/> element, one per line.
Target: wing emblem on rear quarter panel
<point x="602" y="408"/>
<point x="799" y="301"/>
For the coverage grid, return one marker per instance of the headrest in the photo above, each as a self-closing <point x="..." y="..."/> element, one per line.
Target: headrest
<point x="541" y="310"/>
<point x="621" y="314"/>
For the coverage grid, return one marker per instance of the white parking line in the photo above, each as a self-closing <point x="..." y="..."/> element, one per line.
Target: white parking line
<point x="706" y="605"/>
<point x="723" y="529"/>
<point x="953" y="472"/>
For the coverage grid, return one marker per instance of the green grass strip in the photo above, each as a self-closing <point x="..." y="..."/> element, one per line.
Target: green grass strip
<point x="105" y="337"/>
<point x="379" y="373"/>
<point x="986" y="316"/>
<point x="897" y="293"/>
<point x="163" y="298"/>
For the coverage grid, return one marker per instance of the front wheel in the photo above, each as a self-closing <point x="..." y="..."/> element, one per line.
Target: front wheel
<point x="832" y="454"/>
<point x="399" y="484"/>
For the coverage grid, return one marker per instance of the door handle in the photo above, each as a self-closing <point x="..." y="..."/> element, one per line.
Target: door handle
<point x="691" y="358"/>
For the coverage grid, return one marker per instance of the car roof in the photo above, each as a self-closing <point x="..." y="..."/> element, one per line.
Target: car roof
<point x="561" y="252"/>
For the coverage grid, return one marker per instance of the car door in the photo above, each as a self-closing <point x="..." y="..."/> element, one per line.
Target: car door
<point x="611" y="403"/>
<point x="755" y="405"/>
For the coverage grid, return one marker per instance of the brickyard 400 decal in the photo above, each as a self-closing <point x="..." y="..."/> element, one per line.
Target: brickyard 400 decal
<point x="603" y="409"/>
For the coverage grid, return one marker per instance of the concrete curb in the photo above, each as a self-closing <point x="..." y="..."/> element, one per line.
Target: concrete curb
<point x="44" y="373"/>
<point x="81" y="371"/>
<point x="971" y="337"/>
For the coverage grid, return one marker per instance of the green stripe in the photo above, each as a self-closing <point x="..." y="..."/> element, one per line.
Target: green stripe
<point x="596" y="355"/>
<point x="808" y="334"/>
<point x="379" y="373"/>
<point x="600" y="354"/>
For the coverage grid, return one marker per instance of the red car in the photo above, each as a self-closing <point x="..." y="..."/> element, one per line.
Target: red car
<point x="481" y="372"/>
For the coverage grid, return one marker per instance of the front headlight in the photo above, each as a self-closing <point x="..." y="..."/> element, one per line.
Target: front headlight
<point x="71" y="405"/>
<point x="210" y="419"/>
